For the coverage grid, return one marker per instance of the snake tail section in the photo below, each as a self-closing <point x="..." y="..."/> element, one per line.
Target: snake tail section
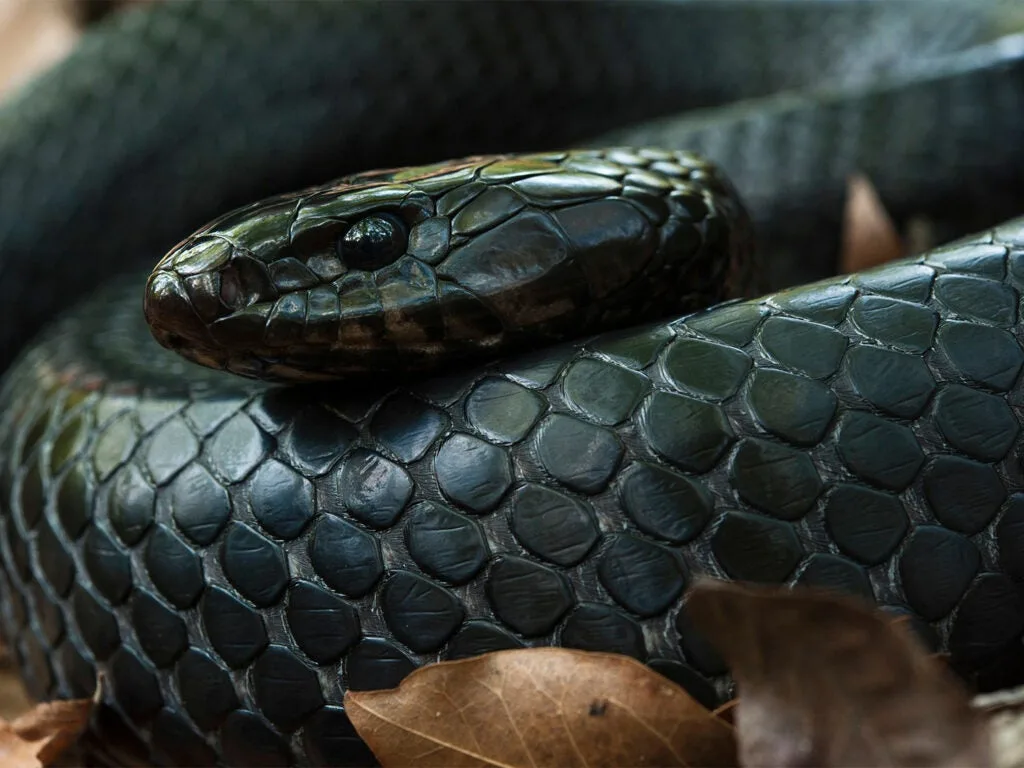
<point x="232" y="557"/>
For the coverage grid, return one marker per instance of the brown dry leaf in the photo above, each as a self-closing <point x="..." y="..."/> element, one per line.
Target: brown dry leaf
<point x="869" y="236"/>
<point x="828" y="680"/>
<point x="727" y="711"/>
<point x="41" y="735"/>
<point x="539" y="707"/>
<point x="1004" y="711"/>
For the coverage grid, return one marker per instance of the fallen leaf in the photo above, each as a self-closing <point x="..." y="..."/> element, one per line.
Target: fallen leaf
<point x="16" y="752"/>
<point x="727" y="711"/>
<point x="869" y="236"/>
<point x="54" y="726"/>
<point x="539" y="707"/>
<point x="41" y="735"/>
<point x="828" y="680"/>
<point x="1004" y="711"/>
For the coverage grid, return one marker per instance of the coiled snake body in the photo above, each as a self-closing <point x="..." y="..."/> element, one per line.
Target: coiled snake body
<point x="234" y="555"/>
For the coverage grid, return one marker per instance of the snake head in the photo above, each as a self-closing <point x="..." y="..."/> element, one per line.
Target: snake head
<point x="410" y="270"/>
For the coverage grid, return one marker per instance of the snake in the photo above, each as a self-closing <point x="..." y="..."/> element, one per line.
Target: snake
<point x="343" y="338"/>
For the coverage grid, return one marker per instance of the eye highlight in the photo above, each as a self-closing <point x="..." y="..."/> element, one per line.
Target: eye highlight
<point x="374" y="242"/>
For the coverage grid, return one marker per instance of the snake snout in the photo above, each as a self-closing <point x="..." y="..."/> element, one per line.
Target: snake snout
<point x="171" y="314"/>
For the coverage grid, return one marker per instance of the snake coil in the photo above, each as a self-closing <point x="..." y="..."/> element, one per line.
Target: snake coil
<point x="232" y="555"/>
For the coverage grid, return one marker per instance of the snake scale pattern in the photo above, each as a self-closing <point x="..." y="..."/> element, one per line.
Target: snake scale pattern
<point x="233" y="555"/>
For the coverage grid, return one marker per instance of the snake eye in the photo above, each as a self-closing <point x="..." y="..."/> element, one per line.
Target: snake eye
<point x="374" y="242"/>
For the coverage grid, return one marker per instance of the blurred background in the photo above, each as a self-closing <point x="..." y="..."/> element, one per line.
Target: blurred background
<point x="36" y="33"/>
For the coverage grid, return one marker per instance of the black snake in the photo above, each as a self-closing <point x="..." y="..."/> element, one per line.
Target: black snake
<point x="233" y="555"/>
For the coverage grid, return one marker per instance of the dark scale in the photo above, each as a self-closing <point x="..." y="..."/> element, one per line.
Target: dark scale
<point x="787" y="494"/>
<point x="254" y="564"/>
<point x="472" y="472"/>
<point x="981" y="354"/>
<point x="828" y="304"/>
<point x="200" y="504"/>
<point x="861" y="433"/>
<point x="692" y="434"/>
<point x="330" y="740"/>
<point x="176" y="742"/>
<point x="603" y="393"/>
<point x="421" y="614"/>
<point x="97" y="626"/>
<point x="206" y="688"/>
<point x="444" y="543"/>
<point x="285" y="688"/>
<point x="236" y="631"/>
<point x="1010" y="537"/>
<point x="175" y="569"/>
<point x="897" y="383"/>
<point x="479" y="637"/>
<point x="51" y="620"/>
<point x="373" y="489"/>
<point x="900" y="324"/>
<point x="989" y="619"/>
<point x="831" y="572"/>
<point x="751" y="547"/>
<point x="553" y="526"/>
<point x="663" y="503"/>
<point x="806" y="347"/>
<point x="596" y="627"/>
<point x="644" y="578"/>
<point x="527" y="597"/>
<point x="977" y="423"/>
<point x="579" y="454"/>
<point x="937" y="566"/>
<point x="55" y="564"/>
<point x="793" y="407"/>
<point x="246" y="739"/>
<point x="322" y="623"/>
<point x="705" y="368"/>
<point x="978" y="298"/>
<point x="281" y="499"/>
<point x="865" y="524"/>
<point x="965" y="495"/>
<point x="108" y="565"/>
<point x="160" y="630"/>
